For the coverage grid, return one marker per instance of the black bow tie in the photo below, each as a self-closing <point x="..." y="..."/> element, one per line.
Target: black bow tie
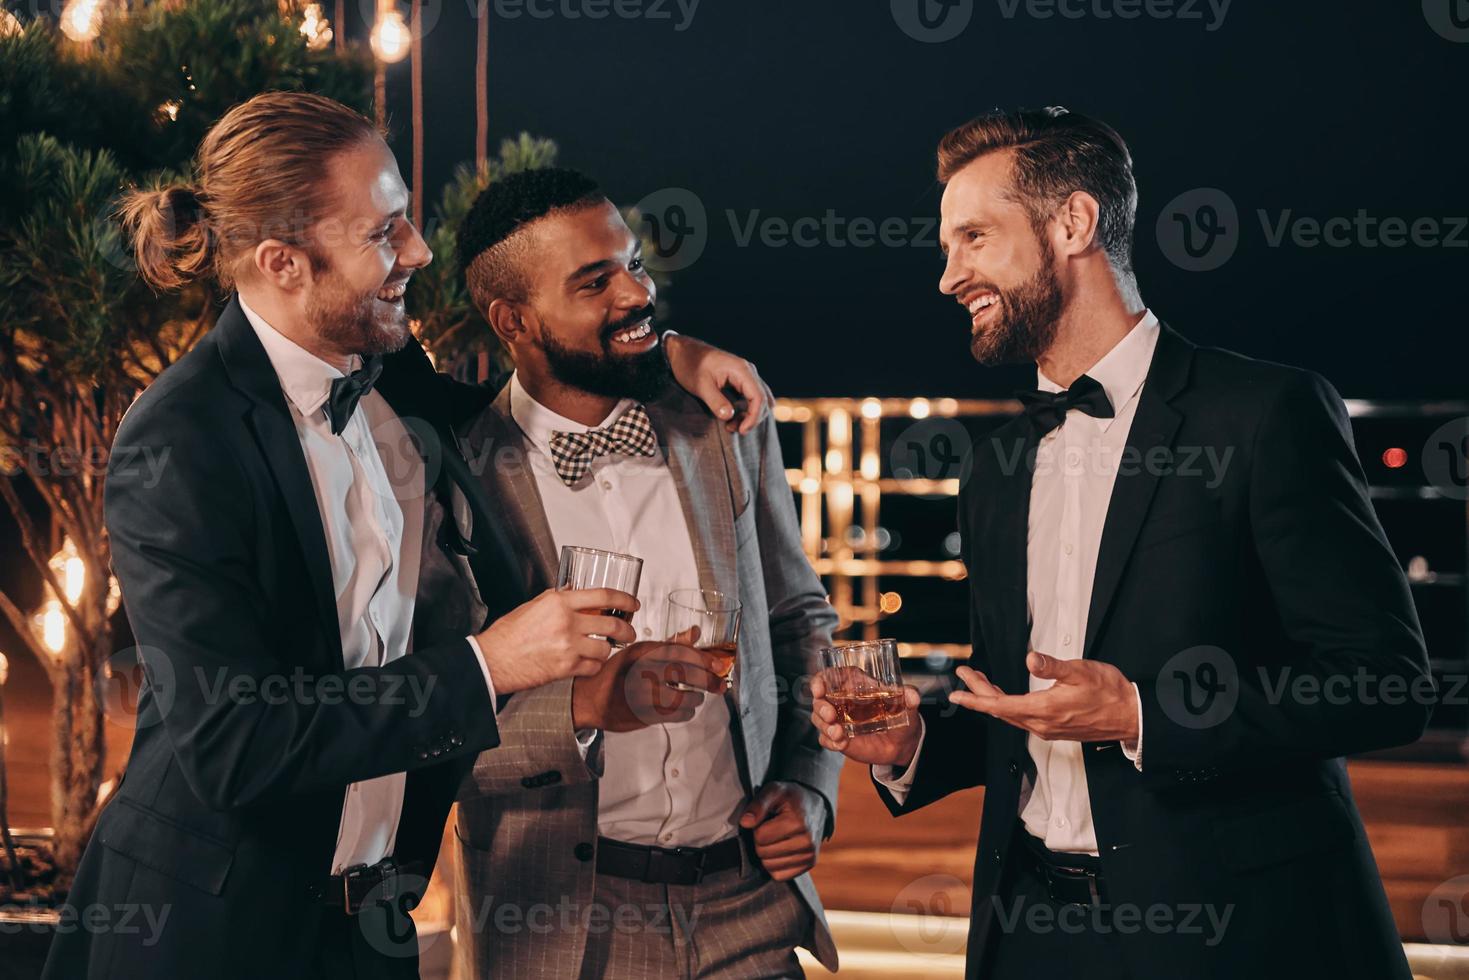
<point x="348" y="391"/>
<point x="1047" y="409"/>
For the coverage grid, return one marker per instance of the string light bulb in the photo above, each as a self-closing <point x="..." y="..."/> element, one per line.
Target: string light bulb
<point x="81" y="20"/>
<point x="68" y="566"/>
<point x="315" y="28"/>
<point x="53" y="626"/>
<point x="390" y="35"/>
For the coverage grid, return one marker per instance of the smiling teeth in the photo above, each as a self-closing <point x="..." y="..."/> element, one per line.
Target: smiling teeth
<point x="636" y="333"/>
<point x="988" y="299"/>
<point x="393" y="292"/>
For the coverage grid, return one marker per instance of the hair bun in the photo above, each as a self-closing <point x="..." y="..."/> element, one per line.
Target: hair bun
<point x="181" y="206"/>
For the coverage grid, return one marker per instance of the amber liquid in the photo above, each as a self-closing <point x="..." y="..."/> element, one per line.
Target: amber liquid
<point x="868" y="712"/>
<point x="724" y="658"/>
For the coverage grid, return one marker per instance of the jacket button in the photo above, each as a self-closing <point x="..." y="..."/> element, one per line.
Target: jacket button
<point x="529" y="782"/>
<point x="583" y="852"/>
<point x="423" y="755"/>
<point x="1014" y="769"/>
<point x="995" y="855"/>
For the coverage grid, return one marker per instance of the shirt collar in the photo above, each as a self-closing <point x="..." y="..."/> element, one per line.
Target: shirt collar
<point x="305" y="378"/>
<point x="538" y="422"/>
<point x="1123" y="369"/>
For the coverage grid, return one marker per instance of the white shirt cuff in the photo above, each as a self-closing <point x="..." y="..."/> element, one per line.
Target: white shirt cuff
<point x="1135" y="754"/>
<point x="484" y="669"/>
<point x="900" y="785"/>
<point x="585" y="739"/>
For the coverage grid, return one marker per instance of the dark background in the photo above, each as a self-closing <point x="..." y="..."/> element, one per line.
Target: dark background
<point x="795" y="108"/>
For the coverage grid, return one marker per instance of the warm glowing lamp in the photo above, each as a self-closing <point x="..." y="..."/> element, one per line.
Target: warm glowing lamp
<point x="390" y="36"/>
<point x="81" y="19"/>
<point x="316" y="28"/>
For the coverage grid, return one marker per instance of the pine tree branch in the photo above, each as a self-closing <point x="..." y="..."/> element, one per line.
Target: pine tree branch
<point x="22" y="628"/>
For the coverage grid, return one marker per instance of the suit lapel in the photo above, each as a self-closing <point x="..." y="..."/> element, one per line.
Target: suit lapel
<point x="429" y="404"/>
<point x="1007" y="560"/>
<point x="251" y="372"/>
<point x="699" y="471"/>
<point x="1153" y="429"/>
<point x="512" y="480"/>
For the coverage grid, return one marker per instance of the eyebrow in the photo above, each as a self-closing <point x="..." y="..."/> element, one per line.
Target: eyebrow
<point x="958" y="230"/>
<point x="600" y="264"/>
<point x="590" y="268"/>
<point x="399" y="213"/>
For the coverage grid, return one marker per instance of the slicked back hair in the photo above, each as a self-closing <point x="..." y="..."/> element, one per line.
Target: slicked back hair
<point x="1057" y="152"/>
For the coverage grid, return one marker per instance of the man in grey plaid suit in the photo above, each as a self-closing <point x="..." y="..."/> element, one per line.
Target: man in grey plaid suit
<point x="623" y="829"/>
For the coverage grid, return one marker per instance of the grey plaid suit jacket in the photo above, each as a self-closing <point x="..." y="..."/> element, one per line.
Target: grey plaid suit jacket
<point x="527" y="825"/>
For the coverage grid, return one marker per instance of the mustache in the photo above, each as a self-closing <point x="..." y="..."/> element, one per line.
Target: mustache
<point x="620" y="325"/>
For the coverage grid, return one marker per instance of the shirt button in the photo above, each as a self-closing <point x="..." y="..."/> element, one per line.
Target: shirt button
<point x="606" y="485"/>
<point x="647" y="631"/>
<point x="1066" y="640"/>
<point x="1068" y="549"/>
<point x="675" y="772"/>
<point x="667" y="838"/>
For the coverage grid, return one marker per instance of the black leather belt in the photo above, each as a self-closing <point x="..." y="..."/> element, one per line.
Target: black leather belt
<point x="1071" y="879"/>
<point x="665" y="866"/>
<point x="371" y="884"/>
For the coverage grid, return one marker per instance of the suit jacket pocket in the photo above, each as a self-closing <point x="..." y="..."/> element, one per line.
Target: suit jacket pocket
<point x="1279" y="834"/>
<point x="156" y="841"/>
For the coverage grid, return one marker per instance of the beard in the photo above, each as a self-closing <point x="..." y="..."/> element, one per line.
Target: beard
<point x="354" y="323"/>
<point x="641" y="377"/>
<point x="1029" y="317"/>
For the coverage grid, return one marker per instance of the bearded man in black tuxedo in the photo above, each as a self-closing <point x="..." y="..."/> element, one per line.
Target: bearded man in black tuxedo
<point x="1161" y="549"/>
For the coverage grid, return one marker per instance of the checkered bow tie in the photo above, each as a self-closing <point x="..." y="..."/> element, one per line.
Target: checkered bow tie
<point x="630" y="435"/>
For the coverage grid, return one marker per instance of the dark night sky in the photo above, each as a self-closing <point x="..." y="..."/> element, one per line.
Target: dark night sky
<point x="1299" y="110"/>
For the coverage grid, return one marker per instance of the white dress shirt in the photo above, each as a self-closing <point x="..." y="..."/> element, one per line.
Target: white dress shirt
<point x="369" y="485"/>
<point x="667" y="785"/>
<point x="1076" y="466"/>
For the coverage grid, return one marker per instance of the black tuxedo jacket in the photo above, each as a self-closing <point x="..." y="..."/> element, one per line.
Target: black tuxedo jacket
<point x="1229" y="592"/>
<point x="231" y="802"/>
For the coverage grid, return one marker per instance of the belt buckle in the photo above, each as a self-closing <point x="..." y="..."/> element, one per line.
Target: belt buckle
<point x="363" y="879"/>
<point x="661" y="856"/>
<point x="1063" y="873"/>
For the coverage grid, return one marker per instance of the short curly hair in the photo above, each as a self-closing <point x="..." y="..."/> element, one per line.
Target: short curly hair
<point x="489" y="248"/>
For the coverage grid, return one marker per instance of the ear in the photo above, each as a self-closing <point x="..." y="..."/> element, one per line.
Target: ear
<point x="283" y="265"/>
<point x="506" y="319"/>
<point x="1076" y="224"/>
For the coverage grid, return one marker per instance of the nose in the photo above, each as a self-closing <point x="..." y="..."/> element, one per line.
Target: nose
<point x="637" y="292"/>
<point x="414" y="253"/>
<point x="953" y="278"/>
